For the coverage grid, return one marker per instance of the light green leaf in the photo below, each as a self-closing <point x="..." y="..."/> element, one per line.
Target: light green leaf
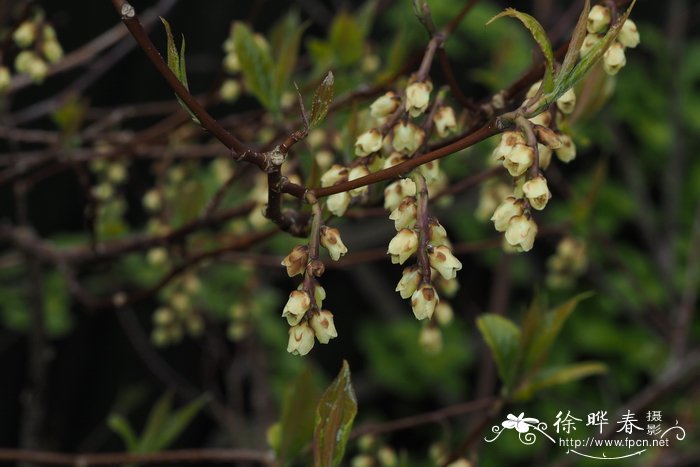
<point x="577" y="38"/>
<point x="286" y="38"/>
<point x="334" y="416"/>
<point x="540" y="36"/>
<point x="346" y="39"/>
<point x="298" y="415"/>
<point x="322" y="100"/>
<point x="557" y="376"/>
<point x="176" y="63"/>
<point x="550" y="328"/>
<point x="176" y="422"/>
<point x="121" y="427"/>
<point x="503" y="338"/>
<point x="257" y="67"/>
<point x="155" y="422"/>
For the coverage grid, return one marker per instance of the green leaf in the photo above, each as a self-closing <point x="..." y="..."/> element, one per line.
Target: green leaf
<point x="286" y="38"/>
<point x="549" y="330"/>
<point x="577" y="38"/>
<point x="322" y="100"/>
<point x="121" y="427"/>
<point x="540" y="36"/>
<point x="566" y="81"/>
<point x="503" y="338"/>
<point x="298" y="414"/>
<point x="176" y="422"/>
<point x="176" y="63"/>
<point x="155" y="422"/>
<point x="346" y="39"/>
<point x="334" y="416"/>
<point x="257" y="67"/>
<point x="557" y="376"/>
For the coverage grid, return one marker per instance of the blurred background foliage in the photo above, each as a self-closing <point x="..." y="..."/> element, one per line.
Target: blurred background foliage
<point x="632" y="195"/>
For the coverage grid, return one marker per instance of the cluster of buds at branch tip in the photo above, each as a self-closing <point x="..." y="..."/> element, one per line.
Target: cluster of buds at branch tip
<point x="614" y="58"/>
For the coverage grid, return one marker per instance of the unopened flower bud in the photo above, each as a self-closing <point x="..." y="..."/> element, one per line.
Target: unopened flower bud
<point x="301" y="339"/>
<point x="395" y="192"/>
<point x="387" y="457"/>
<point x="519" y="160"/>
<point x="430" y="339"/>
<point x="338" y="203"/>
<point x="567" y="151"/>
<point x="418" y="97"/>
<point x="444" y="262"/>
<point x="545" y="156"/>
<point x="157" y="256"/>
<point x="25" y="34"/>
<point x="116" y="172"/>
<point x="588" y="43"/>
<point x="230" y="90"/>
<point x="324" y="159"/>
<point x="444" y="313"/>
<point x="407" y="137"/>
<point x="430" y="171"/>
<point x="297" y="305"/>
<point x="363" y="460"/>
<point x="423" y="301"/>
<point x="445" y="121"/>
<point x="460" y="463"/>
<point x="385" y="105"/>
<point x="163" y="316"/>
<point x="521" y="232"/>
<point x="231" y="63"/>
<point x="410" y="279"/>
<point x="355" y="173"/>
<point x="395" y="158"/>
<point x="629" y="35"/>
<point x="510" y="208"/>
<point x="330" y="239"/>
<point x="404" y="216"/>
<point x="598" y="19"/>
<point x="296" y="261"/>
<point x="614" y="58"/>
<point x="543" y="118"/>
<point x="533" y="90"/>
<point x="567" y="102"/>
<point x="323" y="326"/>
<point x="368" y="142"/>
<point x="5" y="79"/>
<point x="537" y="192"/>
<point x="336" y="174"/>
<point x="547" y="137"/>
<point x="52" y="50"/>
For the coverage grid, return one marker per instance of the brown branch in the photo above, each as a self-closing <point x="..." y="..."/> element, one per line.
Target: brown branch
<point x="116" y="458"/>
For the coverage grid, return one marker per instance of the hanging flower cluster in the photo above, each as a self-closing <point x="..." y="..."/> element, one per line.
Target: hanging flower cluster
<point x="568" y="262"/>
<point x="304" y="311"/>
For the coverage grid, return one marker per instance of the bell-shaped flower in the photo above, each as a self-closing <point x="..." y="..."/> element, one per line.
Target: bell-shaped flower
<point x="368" y="142"/>
<point x="395" y="192"/>
<point x="385" y="105"/>
<point x="410" y="279"/>
<point x="598" y="19"/>
<point x="519" y="160"/>
<point x="404" y="216"/>
<point x="407" y="137"/>
<point x="423" y="301"/>
<point x="297" y="305"/>
<point x="330" y="239"/>
<point x="323" y="326"/>
<point x="614" y="58"/>
<point x="296" y="261"/>
<point x="567" y="102"/>
<point x="537" y="192"/>
<point x="301" y="339"/>
<point x="338" y="203"/>
<point x="509" y="208"/>
<point x="567" y="151"/>
<point x="445" y="121"/>
<point x="336" y="174"/>
<point x="355" y="173"/>
<point x="402" y="246"/>
<point x="521" y="233"/>
<point x="443" y="261"/>
<point x="629" y="35"/>
<point x="418" y="97"/>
